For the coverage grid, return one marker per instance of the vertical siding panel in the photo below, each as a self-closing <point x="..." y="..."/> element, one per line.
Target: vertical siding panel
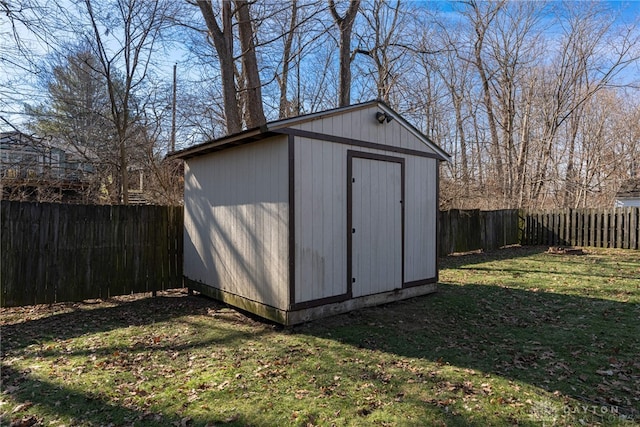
<point x="252" y="233"/>
<point x="304" y="212"/>
<point x="340" y="212"/>
<point x="413" y="213"/>
<point x="349" y="125"/>
<point x="402" y="137"/>
<point x="321" y="248"/>
<point x="299" y="215"/>
<point x="369" y="127"/>
<point x="410" y="220"/>
<point x="329" y="202"/>
<point x="430" y="209"/>
<point x="317" y="216"/>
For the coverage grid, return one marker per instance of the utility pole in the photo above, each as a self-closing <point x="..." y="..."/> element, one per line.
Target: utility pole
<point x="173" y="110"/>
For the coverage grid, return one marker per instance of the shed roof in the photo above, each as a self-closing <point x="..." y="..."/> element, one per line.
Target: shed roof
<point x="279" y="127"/>
<point x="629" y="189"/>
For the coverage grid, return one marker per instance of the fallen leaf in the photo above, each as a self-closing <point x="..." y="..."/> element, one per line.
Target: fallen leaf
<point x="24" y="422"/>
<point x="21" y="407"/>
<point x="234" y="417"/>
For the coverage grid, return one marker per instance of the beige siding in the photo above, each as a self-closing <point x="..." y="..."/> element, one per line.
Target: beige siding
<point x="362" y="125"/>
<point x="320" y="226"/>
<point x="321" y="217"/>
<point x="236" y="221"/>
<point x="421" y="205"/>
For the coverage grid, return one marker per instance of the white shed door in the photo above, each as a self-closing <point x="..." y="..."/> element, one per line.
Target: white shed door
<point x="376" y="248"/>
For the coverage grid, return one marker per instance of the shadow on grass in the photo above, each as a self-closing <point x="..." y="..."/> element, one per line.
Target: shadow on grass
<point x="83" y="408"/>
<point x="471" y="258"/>
<point x="87" y="409"/>
<point x="77" y="319"/>
<point x="61" y="400"/>
<point x="582" y="347"/>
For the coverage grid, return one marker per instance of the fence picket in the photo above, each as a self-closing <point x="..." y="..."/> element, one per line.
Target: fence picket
<point x="633" y="228"/>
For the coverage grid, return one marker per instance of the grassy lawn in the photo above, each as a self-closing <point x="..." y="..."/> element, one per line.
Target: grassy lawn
<point x="515" y="337"/>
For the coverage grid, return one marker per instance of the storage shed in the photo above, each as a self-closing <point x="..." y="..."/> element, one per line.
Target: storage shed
<point x="314" y="215"/>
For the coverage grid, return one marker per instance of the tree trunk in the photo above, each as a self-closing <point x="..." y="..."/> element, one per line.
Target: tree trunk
<point x="345" y="25"/>
<point x="283" y="81"/>
<point x="457" y="101"/>
<point x="488" y="103"/>
<point x="223" y="42"/>
<point x="255" y="113"/>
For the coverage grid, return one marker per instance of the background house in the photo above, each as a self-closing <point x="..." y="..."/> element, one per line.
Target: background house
<point x="33" y="168"/>
<point x="629" y="194"/>
<point x="313" y="215"/>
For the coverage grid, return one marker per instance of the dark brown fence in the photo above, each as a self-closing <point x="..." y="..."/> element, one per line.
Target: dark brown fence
<point x="469" y="230"/>
<point x="57" y="252"/>
<point x="602" y="228"/>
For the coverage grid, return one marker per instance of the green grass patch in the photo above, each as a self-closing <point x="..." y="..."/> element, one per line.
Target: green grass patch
<point x="514" y="337"/>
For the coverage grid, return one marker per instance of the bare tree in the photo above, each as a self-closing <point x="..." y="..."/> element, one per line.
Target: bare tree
<point x="588" y="62"/>
<point x="134" y="27"/>
<point x="381" y="40"/>
<point x="481" y="16"/>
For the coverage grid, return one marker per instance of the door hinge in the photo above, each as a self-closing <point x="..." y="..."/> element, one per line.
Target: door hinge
<point x="353" y="231"/>
<point x="353" y="280"/>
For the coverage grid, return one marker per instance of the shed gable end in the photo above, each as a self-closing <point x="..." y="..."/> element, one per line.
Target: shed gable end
<point x="361" y="125"/>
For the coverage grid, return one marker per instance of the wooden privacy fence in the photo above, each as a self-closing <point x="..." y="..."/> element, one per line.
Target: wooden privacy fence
<point x="602" y="228"/>
<point x="469" y="230"/>
<point x="57" y="252"/>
